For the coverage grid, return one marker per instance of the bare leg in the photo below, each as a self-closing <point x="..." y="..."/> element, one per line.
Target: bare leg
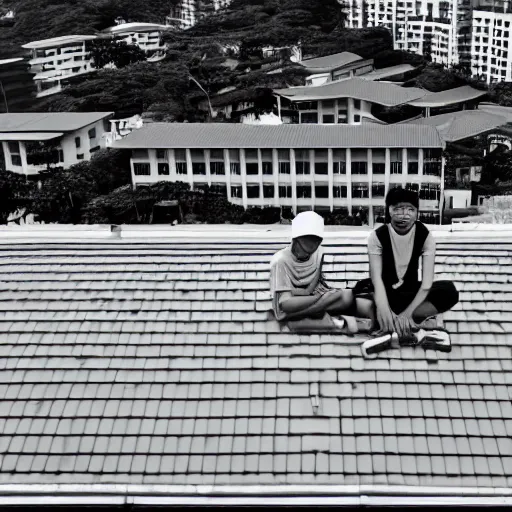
<point x="366" y="309"/>
<point x="344" y="301"/>
<point x="423" y="311"/>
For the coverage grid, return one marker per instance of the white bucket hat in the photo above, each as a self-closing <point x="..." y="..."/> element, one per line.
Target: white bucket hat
<point x="308" y="223"/>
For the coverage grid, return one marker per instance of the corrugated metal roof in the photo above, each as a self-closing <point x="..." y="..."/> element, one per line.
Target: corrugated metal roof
<point x="49" y="121"/>
<point x="493" y="108"/>
<point x="230" y="135"/>
<point x="461" y="125"/>
<point x="449" y="97"/>
<point x="378" y="74"/>
<point x="376" y="92"/>
<point x="136" y="27"/>
<point x="333" y="61"/>
<point x="155" y="362"/>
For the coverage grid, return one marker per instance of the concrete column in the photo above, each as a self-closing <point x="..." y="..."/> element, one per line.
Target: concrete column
<point x="387" y="171"/>
<point x="171" y="160"/>
<point x="275" y="173"/>
<point x="153" y="162"/>
<point x="350" y="111"/>
<point x="330" y="175"/>
<point x="441" y="194"/>
<point x="243" y="173"/>
<point x="349" y="179"/>
<point x="420" y="166"/>
<point x="369" y="157"/>
<point x="227" y="165"/>
<point x="336" y="111"/>
<point x="405" y="167"/>
<point x="190" y="173"/>
<point x="312" y="176"/>
<point x="260" y="174"/>
<point x="206" y="154"/>
<point x="293" y="176"/>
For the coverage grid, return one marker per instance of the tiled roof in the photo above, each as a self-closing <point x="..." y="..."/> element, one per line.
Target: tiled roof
<point x="449" y="97"/>
<point x="48" y="121"/>
<point x="390" y="71"/>
<point x="460" y="125"/>
<point x="334" y="61"/>
<point x="230" y="135"/>
<point x="376" y="92"/>
<point x="145" y="360"/>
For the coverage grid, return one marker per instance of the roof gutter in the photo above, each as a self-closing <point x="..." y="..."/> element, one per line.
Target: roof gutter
<point x="251" y="495"/>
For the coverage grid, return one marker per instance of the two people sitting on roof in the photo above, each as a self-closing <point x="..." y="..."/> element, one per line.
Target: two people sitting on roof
<point x="393" y="298"/>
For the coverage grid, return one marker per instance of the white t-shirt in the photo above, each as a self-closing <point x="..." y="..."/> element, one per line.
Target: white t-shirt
<point x="403" y="246"/>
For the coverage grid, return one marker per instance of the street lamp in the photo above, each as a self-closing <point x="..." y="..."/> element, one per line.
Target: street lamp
<point x="190" y="77"/>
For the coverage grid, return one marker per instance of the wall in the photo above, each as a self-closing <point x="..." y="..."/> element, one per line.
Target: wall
<point x="461" y="198"/>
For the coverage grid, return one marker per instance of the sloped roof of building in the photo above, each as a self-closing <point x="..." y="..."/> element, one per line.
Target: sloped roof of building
<point x="136" y="27"/>
<point x="493" y="108"/>
<point x="230" y="135"/>
<point x="460" y="125"/>
<point x="10" y="61"/>
<point x="449" y="97"/>
<point x="358" y="88"/>
<point x="330" y="62"/>
<point x="146" y="357"/>
<point x="379" y="74"/>
<point x="48" y="121"/>
<point x="57" y="41"/>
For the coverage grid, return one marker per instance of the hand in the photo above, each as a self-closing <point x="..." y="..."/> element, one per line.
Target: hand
<point x="386" y="319"/>
<point x="405" y="324"/>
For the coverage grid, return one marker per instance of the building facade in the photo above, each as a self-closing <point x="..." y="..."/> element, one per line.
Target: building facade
<point x="440" y="29"/>
<point x="324" y="168"/>
<point x="32" y="142"/>
<point x="186" y="14"/>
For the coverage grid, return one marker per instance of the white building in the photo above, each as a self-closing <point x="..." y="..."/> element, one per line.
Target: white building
<point x="439" y="28"/>
<point x="57" y="59"/>
<point x="72" y="136"/>
<point x="147" y="36"/>
<point x="491" y="57"/>
<point x="297" y="166"/>
<point x="188" y="12"/>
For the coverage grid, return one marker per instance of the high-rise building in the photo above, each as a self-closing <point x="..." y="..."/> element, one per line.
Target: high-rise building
<point x="186" y="13"/>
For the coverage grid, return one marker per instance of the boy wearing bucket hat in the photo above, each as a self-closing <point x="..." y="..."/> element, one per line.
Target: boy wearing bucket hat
<point x="297" y="285"/>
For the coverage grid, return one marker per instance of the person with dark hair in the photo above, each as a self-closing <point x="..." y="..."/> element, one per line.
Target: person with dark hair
<point x="403" y="302"/>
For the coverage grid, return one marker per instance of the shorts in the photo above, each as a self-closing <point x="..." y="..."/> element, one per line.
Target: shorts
<point x="443" y="295"/>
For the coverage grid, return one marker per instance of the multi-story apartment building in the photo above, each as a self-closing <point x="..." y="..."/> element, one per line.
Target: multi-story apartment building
<point x="491" y="57"/>
<point x="147" y="36"/>
<point x="30" y="141"/>
<point x="57" y="59"/>
<point x="438" y="28"/>
<point x="302" y="167"/>
<point x="185" y="14"/>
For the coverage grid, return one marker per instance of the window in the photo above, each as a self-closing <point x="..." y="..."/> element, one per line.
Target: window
<point x="217" y="168"/>
<point x="378" y="189"/>
<point x="285" y="191"/>
<point x="302" y="167"/>
<point x="284" y="167"/>
<point x="321" y="168"/>
<point x="268" y="191"/>
<point x="14" y="147"/>
<point x="342" y="116"/>
<point x="339" y="168"/>
<point x="432" y="168"/>
<point x="267" y="168"/>
<point x="163" y="169"/>
<point x="236" y="191"/>
<point x="379" y="168"/>
<point x="328" y="104"/>
<point x="307" y="105"/>
<point x="339" y="191"/>
<point x="309" y="118"/>
<point x="357" y="118"/>
<point x="140" y="153"/>
<point x="322" y="191"/>
<point x="360" y="190"/>
<point x="253" y="191"/>
<point x="92" y="133"/>
<point x="357" y="104"/>
<point x="328" y="118"/>
<point x="359" y="168"/>
<point x="78" y="142"/>
<point x="80" y="156"/>
<point x="251" y="154"/>
<point x="304" y="192"/>
<point x="16" y="160"/>
<point x="181" y="167"/>
<point x="396" y="167"/>
<point x="141" y="169"/>
<point x="219" y="188"/>
<point x="161" y="154"/>
<point x="412" y="168"/>
<point x="235" y="168"/>
<point x="92" y="150"/>
<point x="412" y="186"/>
<point x="251" y="168"/>
<point x="199" y="168"/>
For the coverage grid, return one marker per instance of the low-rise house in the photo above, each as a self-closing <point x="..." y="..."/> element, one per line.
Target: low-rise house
<point x="32" y="142"/>
<point x="297" y="166"/>
<point x="344" y="102"/>
<point x="338" y="66"/>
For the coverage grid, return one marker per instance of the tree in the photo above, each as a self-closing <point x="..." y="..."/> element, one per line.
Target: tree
<point x="114" y="52"/>
<point x="15" y="194"/>
<point x="43" y="153"/>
